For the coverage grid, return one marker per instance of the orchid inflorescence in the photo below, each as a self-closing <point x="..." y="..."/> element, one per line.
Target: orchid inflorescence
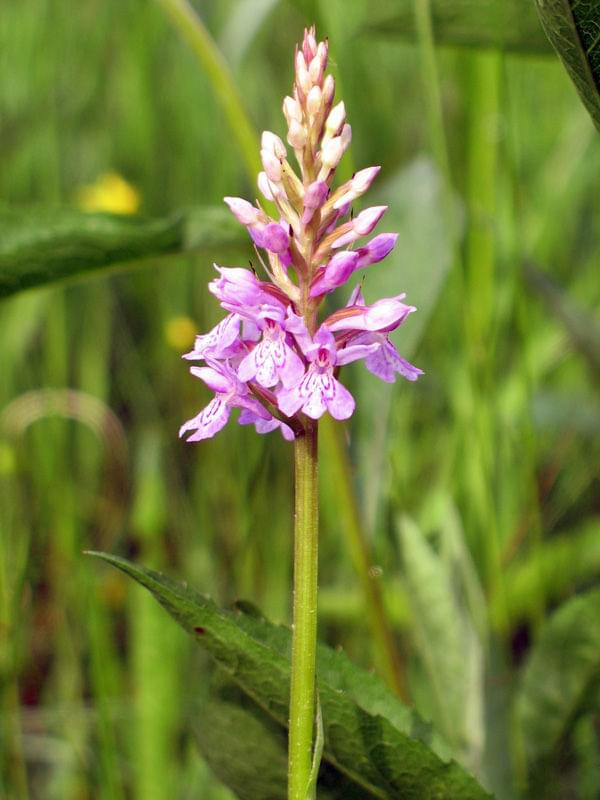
<point x="269" y="356"/>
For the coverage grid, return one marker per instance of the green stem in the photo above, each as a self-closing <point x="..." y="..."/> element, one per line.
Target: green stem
<point x="304" y="638"/>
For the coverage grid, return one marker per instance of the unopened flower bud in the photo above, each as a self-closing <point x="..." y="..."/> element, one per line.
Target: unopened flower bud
<point x="323" y="53"/>
<point x="332" y="152"/>
<point x="335" y="120"/>
<point x="242" y="210"/>
<point x="328" y="90"/>
<point x="271" y="164"/>
<point x="336" y="272"/>
<point x="346" y="135"/>
<point x="377" y="249"/>
<point x="313" y="199"/>
<point x="270" y="141"/>
<point x="367" y="219"/>
<point x="360" y="226"/>
<point x="384" y="315"/>
<point x="302" y="77"/>
<point x="275" y="238"/>
<point x="292" y="110"/>
<point x="309" y="44"/>
<point x="314" y="100"/>
<point x="316" y="69"/>
<point x="263" y="185"/>
<point x="296" y="135"/>
<point x="349" y="191"/>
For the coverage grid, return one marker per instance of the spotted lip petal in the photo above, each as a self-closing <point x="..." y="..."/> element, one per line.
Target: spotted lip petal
<point x="209" y="421"/>
<point x="317" y="392"/>
<point x="219" y="341"/>
<point x="385" y="361"/>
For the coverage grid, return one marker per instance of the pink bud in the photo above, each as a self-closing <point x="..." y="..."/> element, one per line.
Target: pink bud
<point x="362" y="179"/>
<point x="377" y="249"/>
<point x="242" y="210"/>
<point x="309" y="44"/>
<point x="336" y="272"/>
<point x="384" y="315"/>
<point x="275" y="238"/>
<point x="313" y="199"/>
<point x="367" y="219"/>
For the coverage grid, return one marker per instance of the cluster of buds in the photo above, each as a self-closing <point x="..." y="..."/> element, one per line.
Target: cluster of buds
<point x="270" y="356"/>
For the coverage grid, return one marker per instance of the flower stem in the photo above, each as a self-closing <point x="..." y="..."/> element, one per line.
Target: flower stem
<point x="304" y="639"/>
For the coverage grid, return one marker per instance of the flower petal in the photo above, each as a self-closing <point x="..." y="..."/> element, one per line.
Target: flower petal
<point x="340" y="403"/>
<point x="213" y="378"/>
<point x="209" y="421"/>
<point x="355" y="351"/>
<point x="386" y="363"/>
<point x="218" y="340"/>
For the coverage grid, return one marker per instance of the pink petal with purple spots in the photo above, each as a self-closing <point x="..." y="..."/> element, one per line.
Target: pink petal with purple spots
<point x="208" y="422"/>
<point x="218" y="341"/>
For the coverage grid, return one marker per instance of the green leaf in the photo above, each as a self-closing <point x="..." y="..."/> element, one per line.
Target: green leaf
<point x="447" y="642"/>
<point x="247" y="749"/>
<point x="572" y="26"/>
<point x="40" y="247"/>
<point x="562" y="670"/>
<point x="506" y="24"/>
<point x="376" y="743"/>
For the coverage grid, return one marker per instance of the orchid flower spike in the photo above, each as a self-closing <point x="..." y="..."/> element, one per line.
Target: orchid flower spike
<point x="272" y="356"/>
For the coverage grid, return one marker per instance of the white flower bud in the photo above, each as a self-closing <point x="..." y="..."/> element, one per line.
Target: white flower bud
<point x="292" y="110"/>
<point x="315" y="70"/>
<point x="314" y="101"/>
<point x="297" y="135"/>
<point x="346" y="135"/>
<point x="263" y="185"/>
<point x="271" y="164"/>
<point x="328" y="90"/>
<point x="332" y="152"/>
<point x="272" y="142"/>
<point x="336" y="119"/>
<point x="302" y="77"/>
<point x="322" y="54"/>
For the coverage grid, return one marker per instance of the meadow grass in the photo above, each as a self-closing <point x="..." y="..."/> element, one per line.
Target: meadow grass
<point x="499" y="439"/>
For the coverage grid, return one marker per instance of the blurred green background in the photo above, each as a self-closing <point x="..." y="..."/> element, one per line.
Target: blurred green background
<point x="476" y="489"/>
